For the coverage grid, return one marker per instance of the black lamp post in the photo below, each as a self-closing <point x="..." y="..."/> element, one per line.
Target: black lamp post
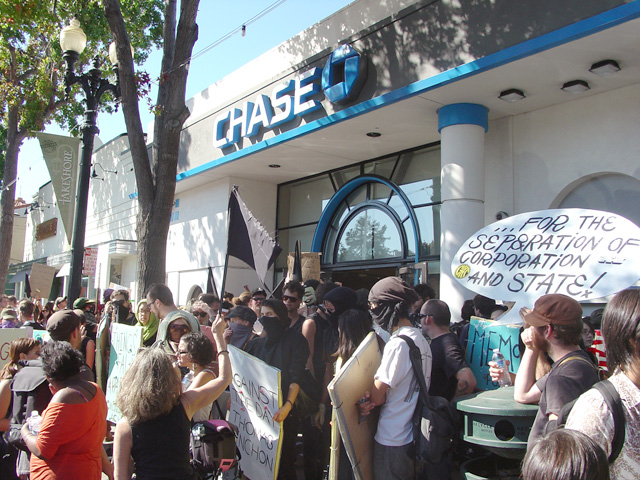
<point x="73" y="40"/>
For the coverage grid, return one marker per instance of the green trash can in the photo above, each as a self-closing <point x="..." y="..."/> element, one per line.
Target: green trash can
<point x="495" y="421"/>
<point x="491" y="467"/>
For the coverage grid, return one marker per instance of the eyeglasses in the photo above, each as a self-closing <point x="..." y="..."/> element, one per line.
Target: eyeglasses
<point x="182" y="328"/>
<point x="258" y="299"/>
<point x="180" y="352"/>
<point x="287" y="298"/>
<point x="200" y="314"/>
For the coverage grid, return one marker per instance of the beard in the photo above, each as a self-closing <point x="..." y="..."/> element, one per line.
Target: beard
<point x="539" y="342"/>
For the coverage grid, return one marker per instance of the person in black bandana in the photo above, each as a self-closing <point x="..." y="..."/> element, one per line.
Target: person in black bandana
<point x="389" y="300"/>
<point x="286" y="349"/>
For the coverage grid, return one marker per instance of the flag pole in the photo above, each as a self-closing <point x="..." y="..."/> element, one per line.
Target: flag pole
<point x="234" y="189"/>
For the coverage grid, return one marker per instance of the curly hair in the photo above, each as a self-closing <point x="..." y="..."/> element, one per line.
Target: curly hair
<point x="621" y="329"/>
<point x="18" y="346"/>
<point x="199" y="347"/>
<point x="60" y="360"/>
<point x="150" y="388"/>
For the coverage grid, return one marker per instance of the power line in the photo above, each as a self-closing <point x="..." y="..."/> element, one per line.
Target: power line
<point x="240" y="29"/>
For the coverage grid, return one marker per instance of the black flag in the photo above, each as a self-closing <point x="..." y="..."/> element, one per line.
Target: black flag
<point x="248" y="240"/>
<point x="211" y="282"/>
<point x="296" y="274"/>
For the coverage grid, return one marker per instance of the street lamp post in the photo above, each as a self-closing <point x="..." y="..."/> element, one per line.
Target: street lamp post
<point x="73" y="41"/>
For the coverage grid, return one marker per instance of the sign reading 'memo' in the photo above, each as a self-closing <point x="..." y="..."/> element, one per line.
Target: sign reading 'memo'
<point x="584" y="254"/>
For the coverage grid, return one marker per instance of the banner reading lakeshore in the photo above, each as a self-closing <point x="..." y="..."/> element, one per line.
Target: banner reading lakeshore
<point x="484" y="336"/>
<point x="61" y="156"/>
<point x="584" y="254"/>
<point x="125" y="342"/>
<point x="255" y="398"/>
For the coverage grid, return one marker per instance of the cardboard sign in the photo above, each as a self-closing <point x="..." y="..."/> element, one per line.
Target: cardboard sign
<point x="310" y="265"/>
<point x="8" y="335"/>
<point x="484" y="336"/>
<point x="346" y="388"/>
<point x="125" y="342"/>
<point x="41" y="279"/>
<point x="255" y="398"/>
<point x="584" y="254"/>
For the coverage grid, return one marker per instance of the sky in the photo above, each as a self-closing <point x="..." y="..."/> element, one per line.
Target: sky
<point x="215" y="20"/>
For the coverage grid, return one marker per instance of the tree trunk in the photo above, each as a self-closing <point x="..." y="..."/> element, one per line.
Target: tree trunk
<point x="156" y="179"/>
<point x="14" y="141"/>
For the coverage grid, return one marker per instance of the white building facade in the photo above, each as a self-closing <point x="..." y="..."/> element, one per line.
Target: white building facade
<point x="378" y="138"/>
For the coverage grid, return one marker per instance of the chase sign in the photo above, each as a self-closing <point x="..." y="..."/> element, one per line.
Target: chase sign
<point x="341" y="80"/>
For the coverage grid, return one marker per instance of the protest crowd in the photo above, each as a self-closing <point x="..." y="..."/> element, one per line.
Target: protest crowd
<point x="188" y="370"/>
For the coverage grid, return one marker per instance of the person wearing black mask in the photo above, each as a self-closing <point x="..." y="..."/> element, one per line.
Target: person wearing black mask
<point x="389" y="300"/>
<point x="286" y="349"/>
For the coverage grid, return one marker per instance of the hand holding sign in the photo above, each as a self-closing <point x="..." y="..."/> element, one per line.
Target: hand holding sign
<point x="584" y="254"/>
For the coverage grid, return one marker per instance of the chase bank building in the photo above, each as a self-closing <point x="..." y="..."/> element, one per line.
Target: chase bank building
<point x="387" y="134"/>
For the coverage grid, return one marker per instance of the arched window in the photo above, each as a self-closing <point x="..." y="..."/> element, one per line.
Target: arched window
<point x="614" y="192"/>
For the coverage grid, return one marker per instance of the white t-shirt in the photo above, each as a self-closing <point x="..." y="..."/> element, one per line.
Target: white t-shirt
<point x="591" y="416"/>
<point x="395" y="423"/>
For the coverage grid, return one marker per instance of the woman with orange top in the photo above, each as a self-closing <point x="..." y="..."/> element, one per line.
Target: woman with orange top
<point x="69" y="444"/>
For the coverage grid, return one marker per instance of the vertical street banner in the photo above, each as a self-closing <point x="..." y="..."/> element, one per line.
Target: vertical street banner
<point x="255" y="398"/>
<point x="484" y="336"/>
<point x="8" y="335"/>
<point x="125" y="342"/>
<point x="61" y="155"/>
<point x="350" y="382"/>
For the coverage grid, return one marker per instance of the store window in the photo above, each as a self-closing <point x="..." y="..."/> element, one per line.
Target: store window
<point x="392" y="215"/>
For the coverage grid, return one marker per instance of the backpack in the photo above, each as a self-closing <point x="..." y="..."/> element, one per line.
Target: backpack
<point x="435" y="425"/>
<point x="213" y="447"/>
<point x="614" y="403"/>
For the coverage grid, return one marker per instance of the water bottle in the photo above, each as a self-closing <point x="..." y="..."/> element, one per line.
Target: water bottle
<point x="505" y="378"/>
<point x="186" y="381"/>
<point x="34" y="422"/>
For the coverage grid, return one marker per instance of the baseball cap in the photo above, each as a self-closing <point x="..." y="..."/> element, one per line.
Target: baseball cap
<point x="244" y="313"/>
<point x="9" y="314"/>
<point x="82" y="302"/>
<point x="259" y="291"/>
<point x="59" y="300"/>
<point x="554" y="309"/>
<point x="62" y="323"/>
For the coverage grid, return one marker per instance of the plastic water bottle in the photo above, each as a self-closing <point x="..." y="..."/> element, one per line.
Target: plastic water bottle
<point x="505" y="378"/>
<point x="186" y="381"/>
<point x="34" y="421"/>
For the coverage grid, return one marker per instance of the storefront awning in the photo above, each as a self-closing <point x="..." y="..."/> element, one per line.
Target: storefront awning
<point x="19" y="277"/>
<point x="64" y="271"/>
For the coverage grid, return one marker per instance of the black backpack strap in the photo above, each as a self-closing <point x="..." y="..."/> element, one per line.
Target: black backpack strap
<point x="416" y="362"/>
<point x="614" y="402"/>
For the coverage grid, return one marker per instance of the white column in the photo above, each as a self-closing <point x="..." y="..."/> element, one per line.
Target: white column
<point x="462" y="128"/>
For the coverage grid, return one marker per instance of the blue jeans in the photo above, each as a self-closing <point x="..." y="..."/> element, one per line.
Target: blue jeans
<point x="395" y="463"/>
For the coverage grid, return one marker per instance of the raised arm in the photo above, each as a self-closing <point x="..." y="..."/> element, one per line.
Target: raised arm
<point x="195" y="399"/>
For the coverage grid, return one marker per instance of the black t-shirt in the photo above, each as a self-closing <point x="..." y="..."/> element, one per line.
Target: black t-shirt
<point x="570" y="377"/>
<point x="448" y="360"/>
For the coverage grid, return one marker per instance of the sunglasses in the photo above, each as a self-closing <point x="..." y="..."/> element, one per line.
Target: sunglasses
<point x="287" y="298"/>
<point x="258" y="299"/>
<point x="200" y="314"/>
<point x="180" y="352"/>
<point x="182" y="328"/>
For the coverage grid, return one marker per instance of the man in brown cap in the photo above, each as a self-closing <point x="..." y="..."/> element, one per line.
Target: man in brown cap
<point x="554" y="327"/>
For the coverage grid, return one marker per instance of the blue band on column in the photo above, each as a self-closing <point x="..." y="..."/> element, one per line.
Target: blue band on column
<point x="463" y="114"/>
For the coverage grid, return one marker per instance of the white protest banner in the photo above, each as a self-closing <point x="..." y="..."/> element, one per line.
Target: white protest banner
<point x="8" y="335"/>
<point x="125" y="342"/>
<point x="255" y="398"/>
<point x="584" y="254"/>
